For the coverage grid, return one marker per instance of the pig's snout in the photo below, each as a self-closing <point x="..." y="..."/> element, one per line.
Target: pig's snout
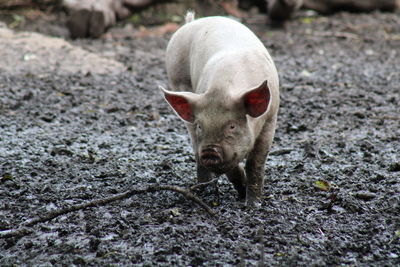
<point x="211" y="156"/>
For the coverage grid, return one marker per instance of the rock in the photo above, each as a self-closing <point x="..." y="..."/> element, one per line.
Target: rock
<point x="394" y="167"/>
<point x="365" y="195"/>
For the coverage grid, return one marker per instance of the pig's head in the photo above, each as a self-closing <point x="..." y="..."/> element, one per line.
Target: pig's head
<point x="222" y="123"/>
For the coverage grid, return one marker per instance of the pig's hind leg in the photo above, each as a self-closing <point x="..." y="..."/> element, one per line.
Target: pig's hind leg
<point x="180" y="81"/>
<point x="178" y="64"/>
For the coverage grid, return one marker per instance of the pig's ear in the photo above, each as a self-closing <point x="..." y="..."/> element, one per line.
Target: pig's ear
<point x="181" y="103"/>
<point x="257" y="100"/>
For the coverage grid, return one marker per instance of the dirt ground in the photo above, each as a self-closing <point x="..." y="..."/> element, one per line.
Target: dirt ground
<point x="67" y="137"/>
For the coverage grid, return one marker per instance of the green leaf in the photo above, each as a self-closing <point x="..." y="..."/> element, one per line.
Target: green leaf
<point x="214" y="204"/>
<point x="308" y="20"/>
<point x="6" y="177"/>
<point x="135" y="19"/>
<point x="322" y="185"/>
<point x="17" y="20"/>
<point x="397" y="233"/>
<point x="280" y="254"/>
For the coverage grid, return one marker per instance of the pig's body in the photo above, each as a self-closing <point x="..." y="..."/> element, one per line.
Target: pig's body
<point x="224" y="84"/>
<point x="218" y="50"/>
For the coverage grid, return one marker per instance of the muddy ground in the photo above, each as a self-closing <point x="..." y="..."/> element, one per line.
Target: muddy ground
<point x="69" y="137"/>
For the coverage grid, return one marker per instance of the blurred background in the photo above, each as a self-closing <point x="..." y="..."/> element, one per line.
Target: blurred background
<point x="92" y="18"/>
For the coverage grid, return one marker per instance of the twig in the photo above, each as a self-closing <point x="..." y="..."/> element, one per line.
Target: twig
<point x="396" y="118"/>
<point x="23" y="228"/>
<point x="321" y="232"/>
<point x="282" y="151"/>
<point x="16" y="4"/>
<point x="202" y="185"/>
<point x="346" y="35"/>
<point x="260" y="237"/>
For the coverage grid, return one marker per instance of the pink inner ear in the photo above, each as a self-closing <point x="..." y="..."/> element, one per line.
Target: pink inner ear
<point x="256" y="101"/>
<point x="181" y="106"/>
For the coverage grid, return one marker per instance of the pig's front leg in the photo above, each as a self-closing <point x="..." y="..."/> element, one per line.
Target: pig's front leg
<point x="237" y="177"/>
<point x="203" y="175"/>
<point x="255" y="164"/>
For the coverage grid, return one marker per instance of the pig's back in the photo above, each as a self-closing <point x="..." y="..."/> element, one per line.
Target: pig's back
<point x="196" y="43"/>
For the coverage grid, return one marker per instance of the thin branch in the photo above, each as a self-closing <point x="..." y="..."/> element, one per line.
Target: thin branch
<point x="346" y="35"/>
<point x="282" y="151"/>
<point x="202" y="185"/>
<point x="24" y="229"/>
<point x="260" y="237"/>
<point x="386" y="117"/>
<point x="187" y="194"/>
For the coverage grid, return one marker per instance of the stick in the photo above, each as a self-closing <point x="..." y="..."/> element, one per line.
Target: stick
<point x="24" y="230"/>
<point x="346" y="35"/>
<point x="386" y="118"/>
<point x="281" y="151"/>
<point x="260" y="237"/>
<point x="202" y="185"/>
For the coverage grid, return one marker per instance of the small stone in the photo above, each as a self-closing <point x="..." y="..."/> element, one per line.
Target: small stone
<point x="394" y="167"/>
<point x="365" y="195"/>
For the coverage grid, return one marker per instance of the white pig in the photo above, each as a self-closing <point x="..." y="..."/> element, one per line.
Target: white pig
<point x="225" y="87"/>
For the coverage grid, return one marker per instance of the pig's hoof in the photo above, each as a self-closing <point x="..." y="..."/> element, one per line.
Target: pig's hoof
<point x="253" y="202"/>
<point x="253" y="197"/>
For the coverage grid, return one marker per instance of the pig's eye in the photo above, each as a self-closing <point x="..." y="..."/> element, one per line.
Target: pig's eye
<point x="198" y="127"/>
<point x="231" y="127"/>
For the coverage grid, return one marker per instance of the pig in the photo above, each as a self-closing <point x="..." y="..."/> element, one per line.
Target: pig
<point x="224" y="85"/>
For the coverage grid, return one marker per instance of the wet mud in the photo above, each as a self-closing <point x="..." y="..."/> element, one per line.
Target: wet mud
<point x="66" y="138"/>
